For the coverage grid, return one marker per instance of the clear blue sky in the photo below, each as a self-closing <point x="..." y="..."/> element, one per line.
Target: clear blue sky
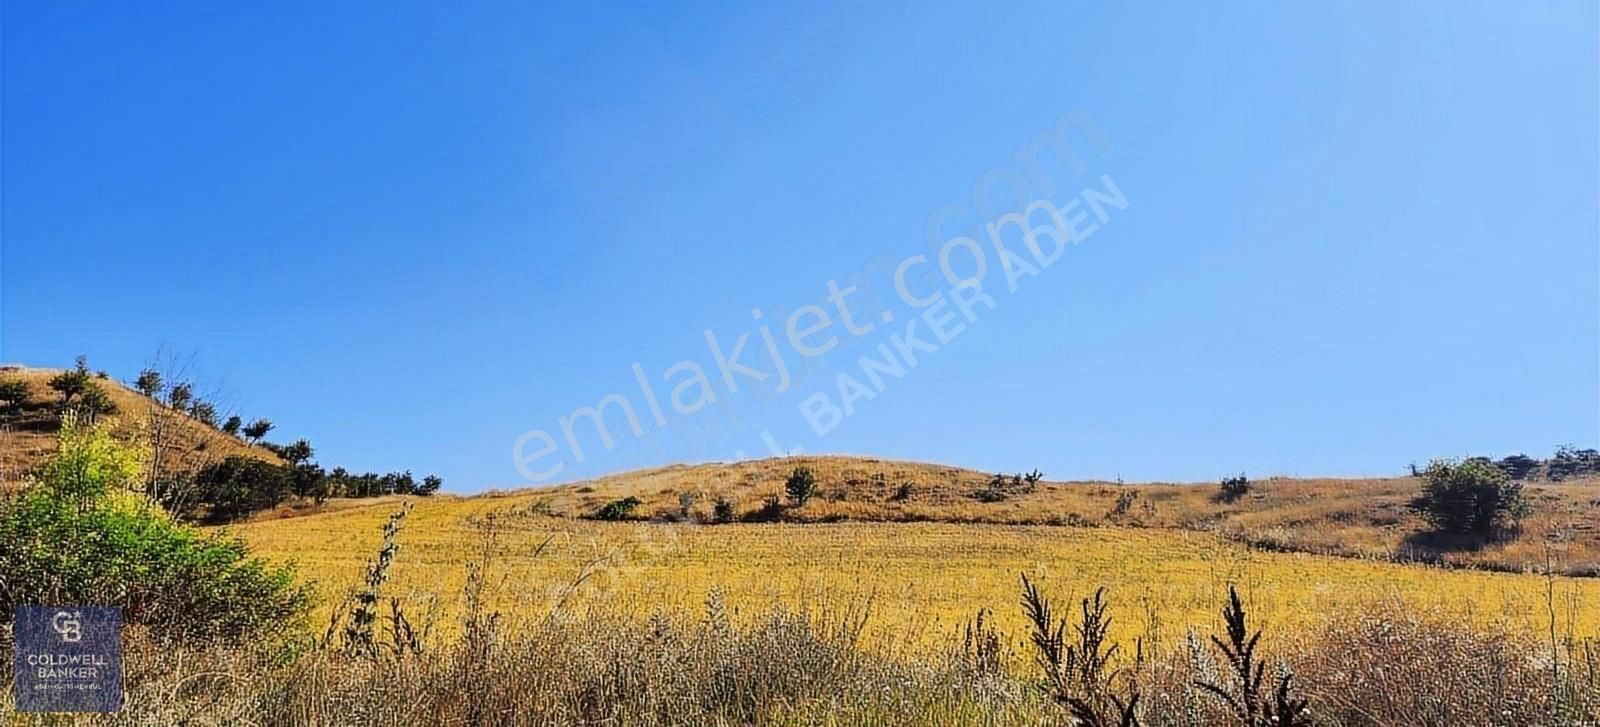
<point x="1357" y="235"/>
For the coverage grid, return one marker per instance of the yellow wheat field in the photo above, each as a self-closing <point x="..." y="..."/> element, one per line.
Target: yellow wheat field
<point x="922" y="580"/>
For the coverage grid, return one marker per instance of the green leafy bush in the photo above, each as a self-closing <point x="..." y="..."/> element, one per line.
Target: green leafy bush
<point x="80" y="536"/>
<point x="80" y="392"/>
<point x="1233" y="488"/>
<point x="800" y="486"/>
<point x="1471" y="497"/>
<point x="722" y="511"/>
<point x="14" y="392"/>
<point x="238" y="486"/>
<point x="618" y="509"/>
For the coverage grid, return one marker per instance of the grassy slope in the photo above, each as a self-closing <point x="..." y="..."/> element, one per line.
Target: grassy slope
<point x="26" y="437"/>
<point x="1367" y="518"/>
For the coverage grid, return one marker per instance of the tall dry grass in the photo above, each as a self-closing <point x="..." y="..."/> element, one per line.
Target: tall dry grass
<point x="1383" y="667"/>
<point x="1386" y="664"/>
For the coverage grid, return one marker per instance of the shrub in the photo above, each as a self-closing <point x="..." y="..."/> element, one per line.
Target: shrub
<point x="903" y="491"/>
<point x="181" y="396"/>
<point x="204" y="412"/>
<point x="1124" y="504"/>
<point x="231" y="427"/>
<point x="257" y="429"/>
<point x="618" y="509"/>
<point x="1471" y="497"/>
<point x="771" y="511"/>
<point x="80" y="537"/>
<point x="722" y="511"/>
<point x="149" y="383"/>
<point x="78" y="384"/>
<point x="1233" y="488"/>
<point x="297" y="452"/>
<point x="238" y="486"/>
<point x="1518" y="466"/>
<point x="1570" y="461"/>
<point x="88" y="465"/>
<point x="69" y="384"/>
<point x="430" y="485"/>
<point x="801" y="485"/>
<point x="95" y="401"/>
<point x="14" y="392"/>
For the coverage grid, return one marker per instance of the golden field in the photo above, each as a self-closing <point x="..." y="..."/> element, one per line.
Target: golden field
<point x="923" y="580"/>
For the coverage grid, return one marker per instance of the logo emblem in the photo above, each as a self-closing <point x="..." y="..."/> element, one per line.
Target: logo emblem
<point x="69" y="625"/>
<point x="68" y="658"/>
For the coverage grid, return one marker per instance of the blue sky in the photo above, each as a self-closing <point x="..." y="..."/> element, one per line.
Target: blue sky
<point x="1357" y="235"/>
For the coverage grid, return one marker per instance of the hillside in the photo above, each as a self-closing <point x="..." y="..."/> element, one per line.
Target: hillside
<point x="1365" y="518"/>
<point x="27" y="433"/>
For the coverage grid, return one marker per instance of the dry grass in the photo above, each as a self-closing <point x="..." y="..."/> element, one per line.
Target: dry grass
<point x="1389" y="663"/>
<point x="923" y="578"/>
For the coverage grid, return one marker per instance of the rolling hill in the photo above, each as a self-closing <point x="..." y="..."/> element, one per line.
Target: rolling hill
<point x="1357" y="518"/>
<point x="28" y="431"/>
<point x="1368" y="518"/>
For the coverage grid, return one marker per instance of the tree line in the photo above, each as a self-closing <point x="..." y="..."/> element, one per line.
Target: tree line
<point x="1568" y="462"/>
<point x="185" y="476"/>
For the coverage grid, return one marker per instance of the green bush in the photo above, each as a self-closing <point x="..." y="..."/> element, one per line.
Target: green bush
<point x="80" y="537"/>
<point x="1233" y="488"/>
<point x="618" y="509"/>
<point x="14" y="392"/>
<point x="1471" y="497"/>
<point x="800" y="486"/>
<point x="78" y="384"/>
<point x="722" y="511"/>
<point x="238" y="486"/>
<point x="149" y="383"/>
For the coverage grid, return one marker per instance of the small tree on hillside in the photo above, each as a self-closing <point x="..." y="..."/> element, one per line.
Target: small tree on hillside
<point x="204" y="412"/>
<point x="257" y="429"/>
<point x="297" y="452"/>
<point x="800" y="486"/>
<point x="14" y="392"/>
<point x="722" y="511"/>
<point x="181" y="396"/>
<point x="1518" y="466"/>
<point x="149" y="383"/>
<point x="1569" y="461"/>
<point x="94" y="401"/>
<point x="1233" y="488"/>
<point x="430" y="485"/>
<point x="231" y="427"/>
<point x="1471" y="497"/>
<point x="70" y="384"/>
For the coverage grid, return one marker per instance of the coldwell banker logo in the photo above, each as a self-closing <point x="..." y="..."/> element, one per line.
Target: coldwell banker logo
<point x="68" y="659"/>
